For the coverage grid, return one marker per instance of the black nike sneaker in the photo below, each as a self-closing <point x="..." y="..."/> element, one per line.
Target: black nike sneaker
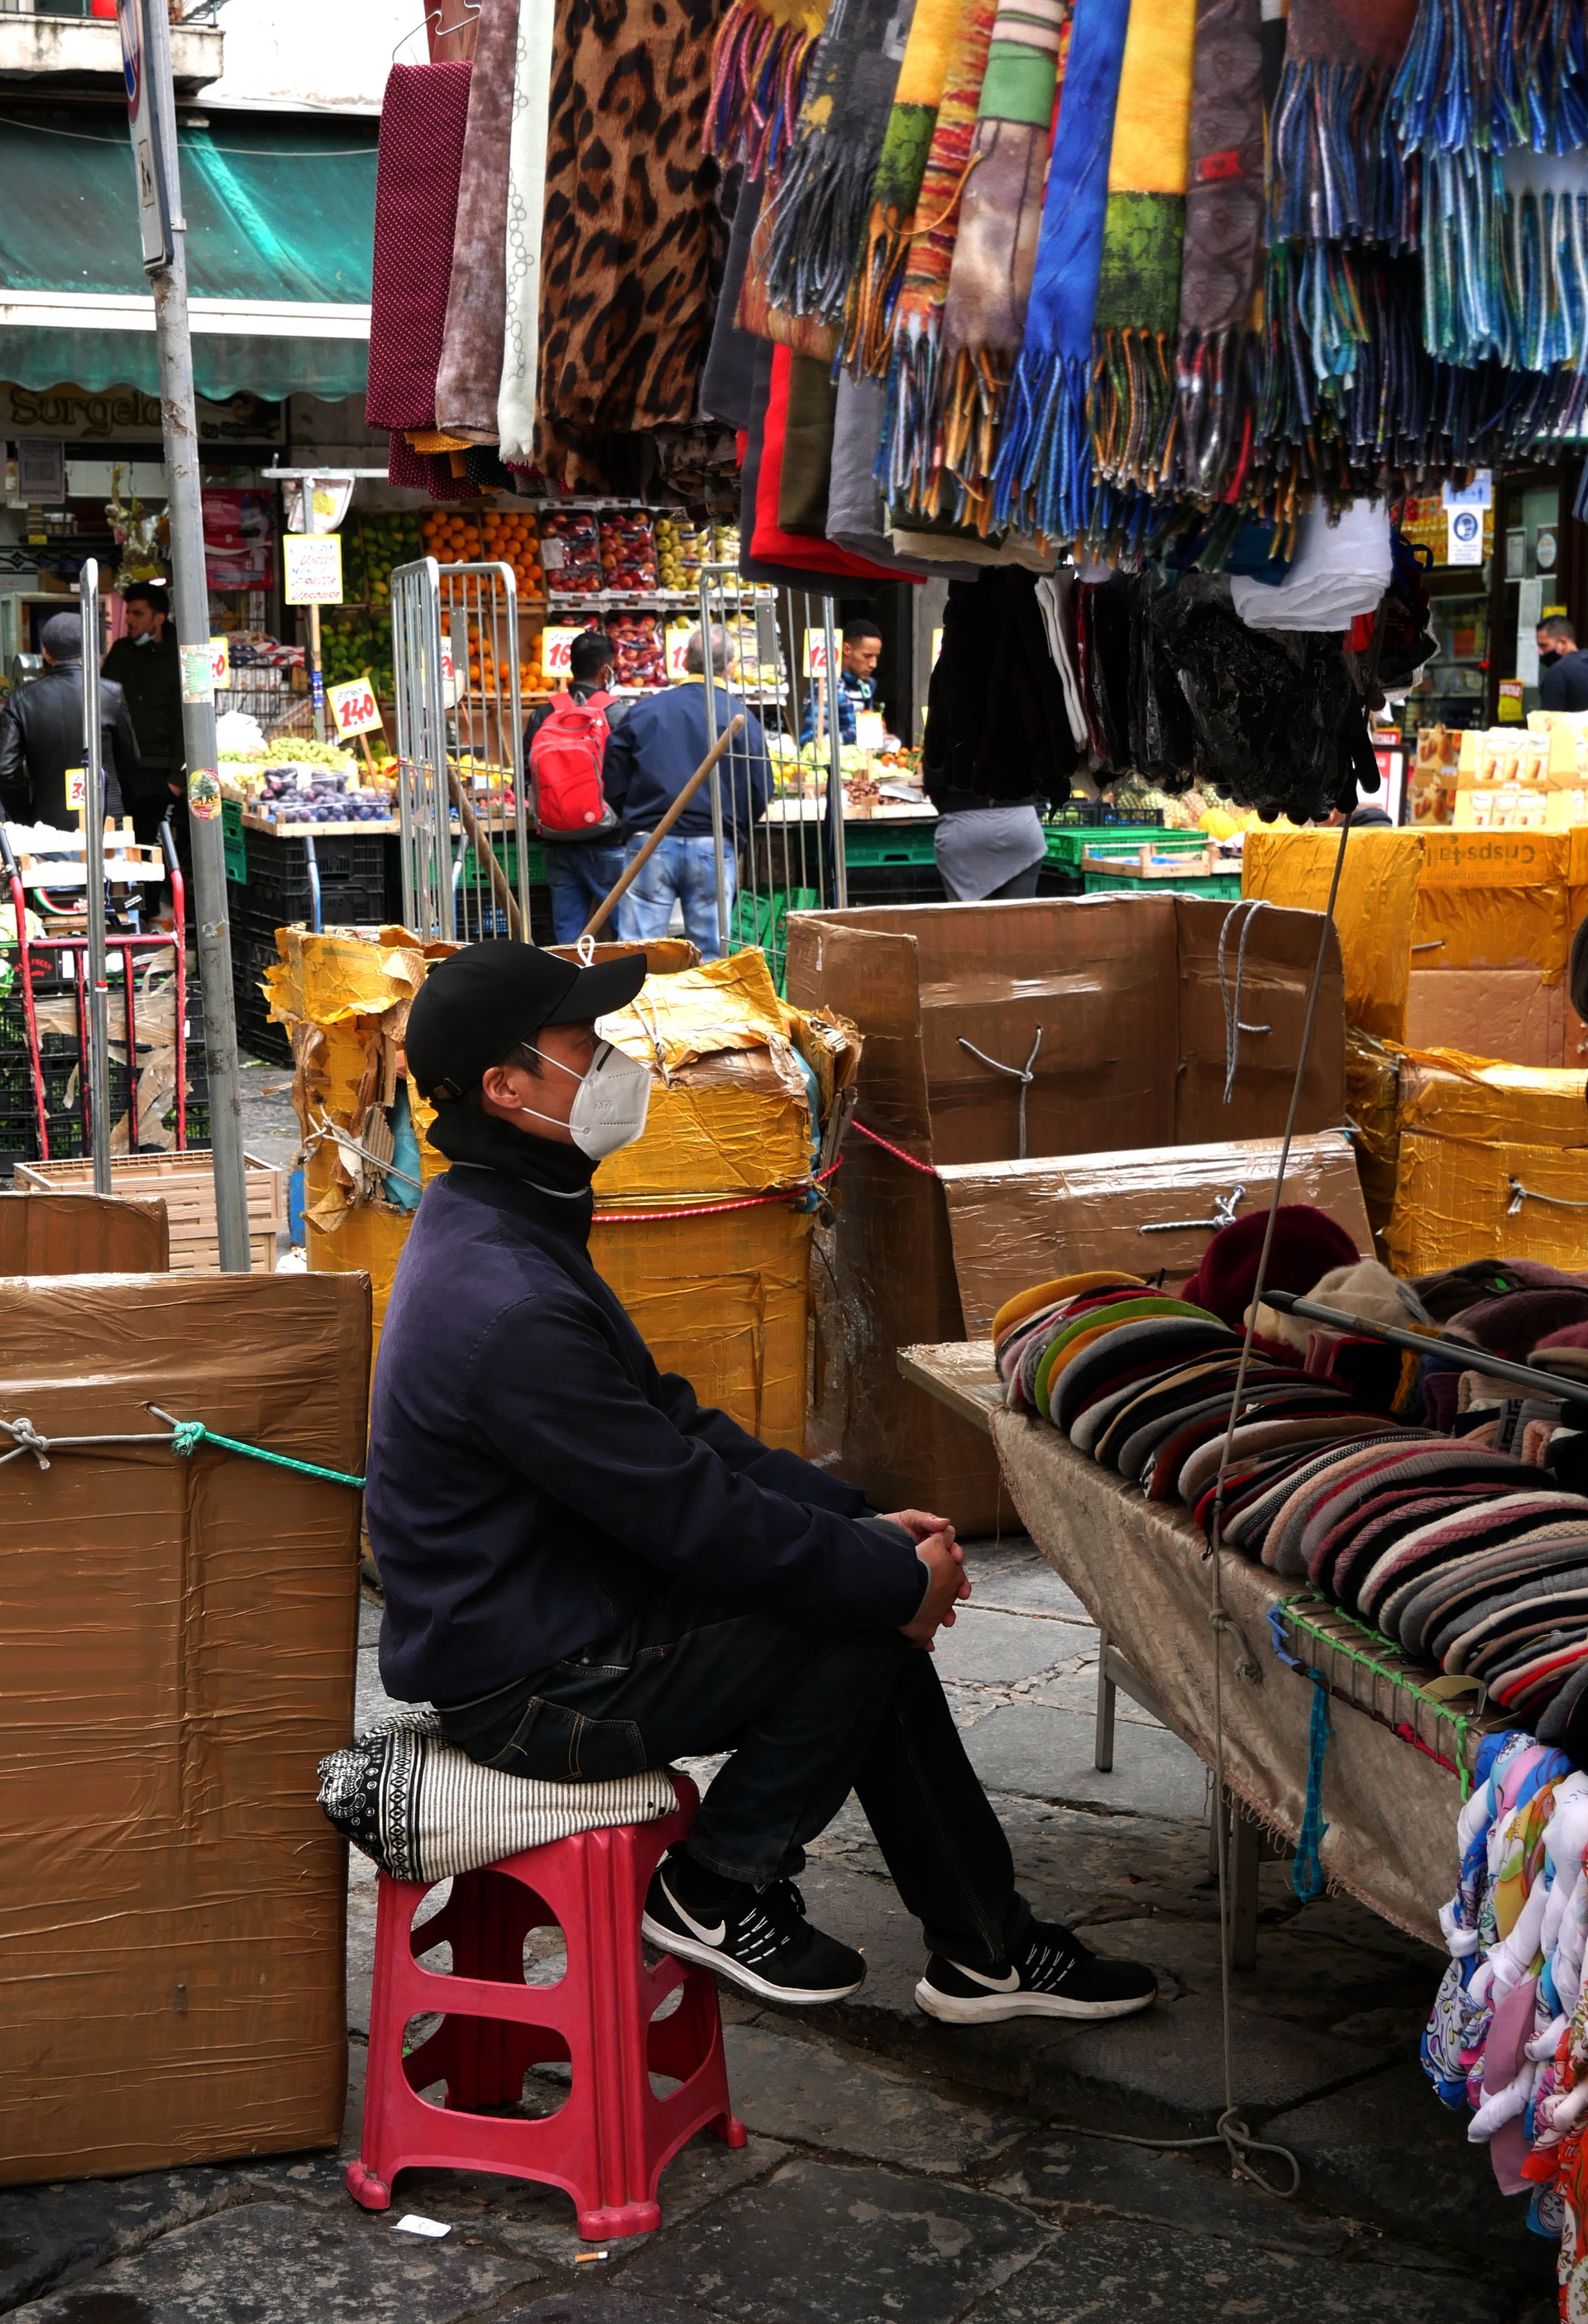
<point x="759" y="1938"/>
<point x="1055" y="1977"/>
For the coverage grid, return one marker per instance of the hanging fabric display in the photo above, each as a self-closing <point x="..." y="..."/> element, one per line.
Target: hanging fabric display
<point x="468" y="380"/>
<point x="423" y="118"/>
<point x="1132" y="410"/>
<point x="907" y="145"/>
<point x="1223" y="263"/>
<point x="818" y="215"/>
<point x="1044" y="464"/>
<point x="759" y="71"/>
<point x="1000" y="215"/>
<point x="526" y="203"/>
<point x="909" y="464"/>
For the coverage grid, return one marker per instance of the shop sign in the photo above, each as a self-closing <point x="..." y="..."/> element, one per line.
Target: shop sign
<point x="1463" y="536"/>
<point x="126" y="415"/>
<point x="556" y="646"/>
<point x="354" y="708"/>
<point x="239" y="540"/>
<point x="313" y="563"/>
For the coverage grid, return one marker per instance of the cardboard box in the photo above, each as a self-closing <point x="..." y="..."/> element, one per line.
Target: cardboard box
<point x="180" y="1642"/>
<point x="1373" y="908"/>
<point x="1512" y="1013"/>
<point x="185" y="1183"/>
<point x="1126" y="994"/>
<point x="1151" y="1211"/>
<point x="1493" y="1158"/>
<point x="82" y="1234"/>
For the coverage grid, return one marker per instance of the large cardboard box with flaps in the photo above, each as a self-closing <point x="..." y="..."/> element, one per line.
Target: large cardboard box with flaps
<point x="1123" y="1011"/>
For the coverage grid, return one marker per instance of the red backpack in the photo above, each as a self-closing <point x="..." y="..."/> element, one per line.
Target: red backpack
<point x="565" y="763"/>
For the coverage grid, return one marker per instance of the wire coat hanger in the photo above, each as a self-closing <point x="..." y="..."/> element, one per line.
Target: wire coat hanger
<point x="471" y="15"/>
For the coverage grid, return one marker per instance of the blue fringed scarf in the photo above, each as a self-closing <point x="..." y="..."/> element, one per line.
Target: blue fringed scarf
<point x="1044" y="464"/>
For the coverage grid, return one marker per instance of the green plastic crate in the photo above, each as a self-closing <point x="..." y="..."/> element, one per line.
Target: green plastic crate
<point x="865" y="844"/>
<point x="234" y="840"/>
<point x="1066" y="846"/>
<point x="1213" y="884"/>
<point x="476" y="874"/>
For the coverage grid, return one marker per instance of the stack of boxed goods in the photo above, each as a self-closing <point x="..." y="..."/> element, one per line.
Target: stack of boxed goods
<point x="1430" y="789"/>
<point x="639" y="650"/>
<point x="570" y="553"/>
<point x="682" y="547"/>
<point x="628" y="552"/>
<point x="703" y="1227"/>
<point x="1512" y="778"/>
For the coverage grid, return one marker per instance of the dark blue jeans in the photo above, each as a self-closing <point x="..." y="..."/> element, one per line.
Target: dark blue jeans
<point x="580" y="872"/>
<point x="808" y="1715"/>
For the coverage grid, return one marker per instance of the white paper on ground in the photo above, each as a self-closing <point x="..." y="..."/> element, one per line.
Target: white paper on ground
<point x="410" y="2224"/>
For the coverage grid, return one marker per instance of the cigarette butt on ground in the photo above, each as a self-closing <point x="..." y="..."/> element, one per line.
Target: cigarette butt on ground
<point x="580" y="2257"/>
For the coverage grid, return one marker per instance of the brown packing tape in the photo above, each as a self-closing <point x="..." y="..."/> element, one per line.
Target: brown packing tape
<point x="1453" y="1204"/>
<point x="1372" y="1071"/>
<point x="1016" y="1223"/>
<point x="181" y="1641"/>
<point x="1460" y="928"/>
<point x="1480" y="1099"/>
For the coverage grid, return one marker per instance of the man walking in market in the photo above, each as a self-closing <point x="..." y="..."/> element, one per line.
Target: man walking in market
<point x="146" y="665"/>
<point x="42" y="737"/>
<point x="649" y="760"/>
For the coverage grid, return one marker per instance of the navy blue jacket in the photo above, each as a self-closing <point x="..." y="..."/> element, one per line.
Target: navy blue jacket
<point x="534" y="1479"/>
<point x="657" y="749"/>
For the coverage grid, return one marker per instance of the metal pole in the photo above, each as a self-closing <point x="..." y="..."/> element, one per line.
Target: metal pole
<point x="834" y="762"/>
<point x="93" y="891"/>
<point x="317" y="684"/>
<point x="707" y="623"/>
<point x="191" y="602"/>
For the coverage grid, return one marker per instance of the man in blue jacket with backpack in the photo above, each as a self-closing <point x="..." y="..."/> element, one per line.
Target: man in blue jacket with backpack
<point x="565" y="745"/>
<point x="662" y="741"/>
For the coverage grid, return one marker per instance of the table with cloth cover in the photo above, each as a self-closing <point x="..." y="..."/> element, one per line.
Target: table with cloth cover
<point x="1141" y="1570"/>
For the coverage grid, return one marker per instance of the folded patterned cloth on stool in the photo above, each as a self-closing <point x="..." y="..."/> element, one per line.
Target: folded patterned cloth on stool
<point x="422" y="1810"/>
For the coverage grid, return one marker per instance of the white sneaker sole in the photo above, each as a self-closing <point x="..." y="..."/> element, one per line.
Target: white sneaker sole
<point x="685" y="1948"/>
<point x="990" y="2009"/>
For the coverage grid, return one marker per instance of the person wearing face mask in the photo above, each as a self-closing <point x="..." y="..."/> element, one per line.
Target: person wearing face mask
<point x="147" y="667"/>
<point x="589" y="1573"/>
<point x="1563" y="671"/>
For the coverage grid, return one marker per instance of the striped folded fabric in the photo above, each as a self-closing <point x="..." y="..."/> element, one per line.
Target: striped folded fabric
<point x="422" y="1810"/>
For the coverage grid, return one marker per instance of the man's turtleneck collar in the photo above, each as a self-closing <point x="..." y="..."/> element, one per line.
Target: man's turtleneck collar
<point x="559" y="1173"/>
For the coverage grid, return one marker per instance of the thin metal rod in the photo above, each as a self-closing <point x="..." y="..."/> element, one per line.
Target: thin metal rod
<point x="98" y="995"/>
<point x="834" y="762"/>
<point x="1476" y="1359"/>
<point x="192" y="601"/>
<point x="706" y="627"/>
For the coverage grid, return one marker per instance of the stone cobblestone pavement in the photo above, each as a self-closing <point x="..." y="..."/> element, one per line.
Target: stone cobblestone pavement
<point x="898" y="2172"/>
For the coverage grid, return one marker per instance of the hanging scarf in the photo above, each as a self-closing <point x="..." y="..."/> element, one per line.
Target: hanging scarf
<point x="526" y="201"/>
<point x="1044" y="458"/>
<point x="1336" y="173"/>
<point x="1495" y="74"/>
<point x="469" y="379"/>
<point x="909" y="464"/>
<point x="759" y="70"/>
<point x="990" y="282"/>
<point x="632" y="243"/>
<point x="818" y="214"/>
<point x="423" y="118"/>
<point x="906" y="148"/>
<point x="1223" y="263"/>
<point x="1133" y="408"/>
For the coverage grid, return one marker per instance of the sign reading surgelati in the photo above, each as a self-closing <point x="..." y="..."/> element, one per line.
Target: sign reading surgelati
<point x="123" y="415"/>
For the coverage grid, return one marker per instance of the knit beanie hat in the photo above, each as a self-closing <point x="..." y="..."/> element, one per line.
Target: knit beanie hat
<point x="1047" y="1294"/>
<point x="1307" y="1245"/>
<point x="1514" y="1325"/>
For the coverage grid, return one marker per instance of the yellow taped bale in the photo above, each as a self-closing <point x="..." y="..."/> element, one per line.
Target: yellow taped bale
<point x="1373" y="912"/>
<point x="1494" y="1160"/>
<point x="739" y="1134"/>
<point x="723" y="1300"/>
<point x="1371" y="1075"/>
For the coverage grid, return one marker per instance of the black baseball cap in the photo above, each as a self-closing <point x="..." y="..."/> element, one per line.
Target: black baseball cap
<point x="479" y="1003"/>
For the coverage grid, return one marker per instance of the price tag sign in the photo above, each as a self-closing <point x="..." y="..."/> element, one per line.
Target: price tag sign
<point x="816" y="654"/>
<point x="678" y="645"/>
<point x="220" y="661"/>
<point x="76" y="789"/>
<point x="556" y="646"/>
<point x="313" y="562"/>
<point x="354" y="707"/>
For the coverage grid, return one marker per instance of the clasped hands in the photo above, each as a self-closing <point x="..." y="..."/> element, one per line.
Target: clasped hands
<point x="947" y="1583"/>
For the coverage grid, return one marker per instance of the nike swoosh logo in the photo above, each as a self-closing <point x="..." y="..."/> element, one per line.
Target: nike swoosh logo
<point x="695" y="1928"/>
<point x="1009" y="1984"/>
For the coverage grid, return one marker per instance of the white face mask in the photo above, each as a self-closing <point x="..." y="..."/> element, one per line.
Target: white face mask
<point x="613" y="1098"/>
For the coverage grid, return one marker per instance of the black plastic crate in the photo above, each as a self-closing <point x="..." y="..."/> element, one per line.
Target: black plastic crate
<point x="351" y="869"/>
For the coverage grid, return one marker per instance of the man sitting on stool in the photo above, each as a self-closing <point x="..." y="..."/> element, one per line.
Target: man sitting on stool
<point x="589" y="1573"/>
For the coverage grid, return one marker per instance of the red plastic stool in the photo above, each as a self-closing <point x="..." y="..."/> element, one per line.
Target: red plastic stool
<point x="610" y="2143"/>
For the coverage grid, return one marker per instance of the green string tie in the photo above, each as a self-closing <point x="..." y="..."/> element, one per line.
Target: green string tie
<point x="187" y="1435"/>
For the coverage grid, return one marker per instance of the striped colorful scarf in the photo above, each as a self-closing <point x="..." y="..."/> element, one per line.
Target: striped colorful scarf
<point x="909" y="464"/>
<point x="1222" y="263"/>
<point x="1336" y="171"/>
<point x="1043" y="469"/>
<point x="759" y="70"/>
<point x="990" y="282"/>
<point x="1132" y="405"/>
<point x="906" y="150"/>
<point x="818" y="214"/>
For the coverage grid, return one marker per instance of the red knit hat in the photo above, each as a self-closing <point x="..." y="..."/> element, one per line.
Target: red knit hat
<point x="1306" y="1244"/>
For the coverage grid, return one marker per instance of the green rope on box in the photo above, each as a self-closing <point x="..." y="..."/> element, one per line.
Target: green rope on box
<point x="1294" y="1612"/>
<point x="187" y="1435"/>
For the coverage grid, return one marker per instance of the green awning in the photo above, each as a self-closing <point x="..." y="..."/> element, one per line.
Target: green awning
<point x="281" y="229"/>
